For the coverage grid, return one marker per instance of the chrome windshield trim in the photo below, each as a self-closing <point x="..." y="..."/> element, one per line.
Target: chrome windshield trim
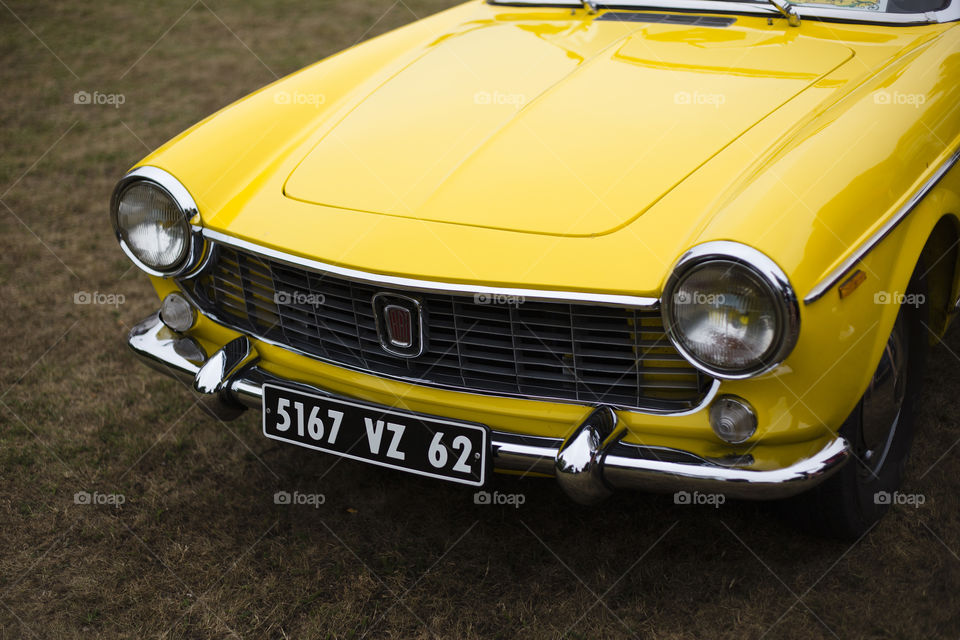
<point x="432" y="286"/>
<point x="949" y="14"/>
<point x="835" y="276"/>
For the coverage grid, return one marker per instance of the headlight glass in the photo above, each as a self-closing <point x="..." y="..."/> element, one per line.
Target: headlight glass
<point x="152" y="226"/>
<point x="728" y="317"/>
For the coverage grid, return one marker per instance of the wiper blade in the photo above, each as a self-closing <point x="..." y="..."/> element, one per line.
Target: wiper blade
<point x="785" y="7"/>
<point x="787" y="11"/>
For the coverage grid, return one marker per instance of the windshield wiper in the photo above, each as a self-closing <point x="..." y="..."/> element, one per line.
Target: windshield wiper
<point x="787" y="11"/>
<point x="785" y="7"/>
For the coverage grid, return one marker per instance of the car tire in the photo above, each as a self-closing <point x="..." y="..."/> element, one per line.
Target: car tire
<point x="880" y="431"/>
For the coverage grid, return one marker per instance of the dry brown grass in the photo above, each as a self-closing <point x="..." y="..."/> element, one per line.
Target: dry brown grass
<point x="200" y="550"/>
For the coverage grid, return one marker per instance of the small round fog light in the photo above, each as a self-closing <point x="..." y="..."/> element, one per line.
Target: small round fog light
<point x="176" y="313"/>
<point x="732" y="419"/>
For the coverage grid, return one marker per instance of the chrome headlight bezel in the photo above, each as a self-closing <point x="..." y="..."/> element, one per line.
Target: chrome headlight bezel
<point x="174" y="189"/>
<point x="776" y="284"/>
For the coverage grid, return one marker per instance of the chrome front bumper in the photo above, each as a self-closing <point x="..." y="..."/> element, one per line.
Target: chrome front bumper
<point x="589" y="464"/>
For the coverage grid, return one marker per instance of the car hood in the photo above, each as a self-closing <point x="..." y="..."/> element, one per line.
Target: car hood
<point x="554" y="130"/>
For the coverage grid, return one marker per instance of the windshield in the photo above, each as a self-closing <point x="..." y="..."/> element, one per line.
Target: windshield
<point x="883" y="6"/>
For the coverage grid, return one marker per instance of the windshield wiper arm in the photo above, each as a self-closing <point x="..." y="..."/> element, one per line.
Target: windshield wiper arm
<point x="785" y="7"/>
<point x="787" y="11"/>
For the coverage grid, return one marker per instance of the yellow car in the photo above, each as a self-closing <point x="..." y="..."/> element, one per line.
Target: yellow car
<point x="693" y="246"/>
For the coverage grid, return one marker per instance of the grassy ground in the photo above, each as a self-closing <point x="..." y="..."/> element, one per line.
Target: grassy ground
<point x="199" y="549"/>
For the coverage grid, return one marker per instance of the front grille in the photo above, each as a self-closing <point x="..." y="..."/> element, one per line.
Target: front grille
<point x="573" y="352"/>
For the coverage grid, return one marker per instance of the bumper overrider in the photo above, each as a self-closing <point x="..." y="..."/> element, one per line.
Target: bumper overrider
<point x="589" y="464"/>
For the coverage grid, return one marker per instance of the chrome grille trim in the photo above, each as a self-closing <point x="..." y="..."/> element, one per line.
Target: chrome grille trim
<point x="557" y="351"/>
<point x="413" y="284"/>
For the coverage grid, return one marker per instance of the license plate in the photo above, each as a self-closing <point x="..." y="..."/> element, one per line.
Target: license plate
<point x="426" y="446"/>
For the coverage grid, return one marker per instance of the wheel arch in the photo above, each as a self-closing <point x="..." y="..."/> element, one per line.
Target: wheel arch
<point x="939" y="264"/>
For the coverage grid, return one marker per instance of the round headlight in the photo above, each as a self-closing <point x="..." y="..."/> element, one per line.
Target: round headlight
<point x="152" y="226"/>
<point x="151" y="214"/>
<point x="730" y="310"/>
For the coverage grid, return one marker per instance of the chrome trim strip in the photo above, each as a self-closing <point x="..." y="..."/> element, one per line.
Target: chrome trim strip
<point x="835" y="276"/>
<point x="949" y="14"/>
<point x="593" y="463"/>
<point x="197" y="251"/>
<point x="768" y="270"/>
<point x="413" y="284"/>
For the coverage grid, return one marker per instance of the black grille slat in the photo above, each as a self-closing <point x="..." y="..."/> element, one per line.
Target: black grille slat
<point x="565" y="351"/>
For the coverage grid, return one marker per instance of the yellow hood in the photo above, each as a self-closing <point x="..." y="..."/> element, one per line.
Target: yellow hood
<point x="554" y="130"/>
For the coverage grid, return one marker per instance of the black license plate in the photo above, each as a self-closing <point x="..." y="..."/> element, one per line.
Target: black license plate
<point x="434" y="447"/>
